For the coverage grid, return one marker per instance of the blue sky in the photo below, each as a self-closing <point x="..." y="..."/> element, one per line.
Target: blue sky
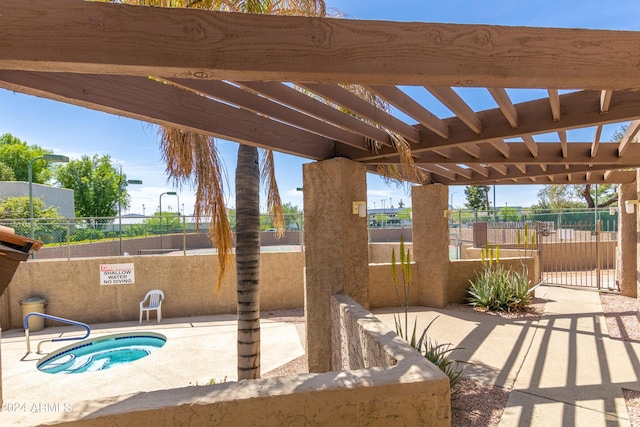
<point x="76" y="131"/>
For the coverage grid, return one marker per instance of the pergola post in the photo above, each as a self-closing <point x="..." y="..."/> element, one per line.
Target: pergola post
<point x="336" y="248"/>
<point x="627" y="244"/>
<point x="431" y="242"/>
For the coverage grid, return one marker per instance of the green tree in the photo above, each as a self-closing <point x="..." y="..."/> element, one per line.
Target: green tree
<point x="6" y="173"/>
<point x="168" y="222"/>
<point x="96" y="184"/>
<point x="556" y="196"/>
<point x="404" y="214"/>
<point x="477" y="197"/>
<point x="47" y="228"/>
<point x="16" y="154"/>
<point x="606" y="194"/>
<point x="292" y="217"/>
<point x="231" y="214"/>
<point x="509" y="213"/>
<point x="574" y="196"/>
<point x="563" y="196"/>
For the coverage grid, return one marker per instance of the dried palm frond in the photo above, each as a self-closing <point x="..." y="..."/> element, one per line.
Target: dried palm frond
<point x="274" y="203"/>
<point x="193" y="158"/>
<point x="407" y="170"/>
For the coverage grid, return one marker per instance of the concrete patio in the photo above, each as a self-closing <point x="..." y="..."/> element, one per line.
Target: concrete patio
<point x="562" y="370"/>
<point x="198" y="350"/>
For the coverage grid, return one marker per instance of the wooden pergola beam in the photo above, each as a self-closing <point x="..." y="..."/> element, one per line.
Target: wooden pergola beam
<point x="554" y="101"/>
<point x="90" y="37"/>
<point x="598" y="177"/>
<point x="144" y="99"/>
<point x="407" y="105"/>
<point x="605" y="100"/>
<point x="501" y="146"/>
<point x="300" y="101"/>
<point x="629" y="136"/>
<point x="579" y="110"/>
<point x="455" y="103"/>
<point x="548" y="153"/>
<point x="555" y="173"/>
<point x="596" y="141"/>
<point x="363" y="108"/>
<point x="504" y="102"/>
<point x="531" y="145"/>
<point x="263" y="106"/>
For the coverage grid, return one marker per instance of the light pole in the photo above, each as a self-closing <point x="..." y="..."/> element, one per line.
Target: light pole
<point x="129" y="181"/>
<point x="494" y="204"/>
<point x="170" y="193"/>
<point x="54" y="158"/>
<point x="451" y="203"/>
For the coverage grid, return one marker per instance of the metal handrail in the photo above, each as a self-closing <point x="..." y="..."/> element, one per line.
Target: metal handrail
<point x="59" y="319"/>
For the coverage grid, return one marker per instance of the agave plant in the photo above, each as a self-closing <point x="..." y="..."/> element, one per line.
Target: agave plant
<point x="439" y="355"/>
<point x="499" y="289"/>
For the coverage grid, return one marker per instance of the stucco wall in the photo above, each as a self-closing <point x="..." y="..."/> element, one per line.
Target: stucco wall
<point x="381" y="252"/>
<point x="73" y="291"/>
<point x="412" y="392"/>
<point x="72" y="288"/>
<point x="382" y="292"/>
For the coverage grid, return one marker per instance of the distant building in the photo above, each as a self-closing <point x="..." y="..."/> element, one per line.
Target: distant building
<point x="59" y="198"/>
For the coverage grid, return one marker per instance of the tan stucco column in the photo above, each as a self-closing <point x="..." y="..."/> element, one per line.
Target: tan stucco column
<point x="627" y="241"/>
<point x="431" y="242"/>
<point x="336" y="248"/>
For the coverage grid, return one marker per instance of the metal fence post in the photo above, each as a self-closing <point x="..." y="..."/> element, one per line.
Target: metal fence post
<point x="68" y="240"/>
<point x="184" y="236"/>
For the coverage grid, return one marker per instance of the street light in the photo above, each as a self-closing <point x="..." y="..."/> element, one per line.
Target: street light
<point x="54" y="158"/>
<point x="129" y="181"/>
<point x="170" y="193"/>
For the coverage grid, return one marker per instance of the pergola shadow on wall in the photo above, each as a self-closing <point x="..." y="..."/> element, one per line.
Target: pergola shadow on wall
<point x="237" y="77"/>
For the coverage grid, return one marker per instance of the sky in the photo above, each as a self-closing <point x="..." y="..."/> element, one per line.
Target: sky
<point x="76" y="131"/>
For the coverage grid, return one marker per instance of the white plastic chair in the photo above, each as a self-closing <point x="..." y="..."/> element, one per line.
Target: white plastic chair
<point x="155" y="297"/>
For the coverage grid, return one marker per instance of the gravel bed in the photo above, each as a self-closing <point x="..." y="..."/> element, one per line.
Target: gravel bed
<point x="621" y="315"/>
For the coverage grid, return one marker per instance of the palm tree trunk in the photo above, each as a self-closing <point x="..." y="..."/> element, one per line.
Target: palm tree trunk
<point x="248" y="261"/>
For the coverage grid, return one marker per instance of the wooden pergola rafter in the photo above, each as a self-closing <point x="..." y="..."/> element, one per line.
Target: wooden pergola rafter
<point x="280" y="82"/>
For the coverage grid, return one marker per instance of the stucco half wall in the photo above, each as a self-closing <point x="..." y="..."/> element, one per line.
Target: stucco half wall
<point x="393" y="384"/>
<point x="73" y="291"/>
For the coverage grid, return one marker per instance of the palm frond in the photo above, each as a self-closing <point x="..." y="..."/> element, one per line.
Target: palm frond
<point x="193" y="158"/>
<point x="274" y="203"/>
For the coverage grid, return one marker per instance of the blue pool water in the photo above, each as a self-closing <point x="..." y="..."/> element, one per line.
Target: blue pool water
<point x="101" y="353"/>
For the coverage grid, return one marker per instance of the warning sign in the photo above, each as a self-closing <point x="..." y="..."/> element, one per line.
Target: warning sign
<point x="116" y="274"/>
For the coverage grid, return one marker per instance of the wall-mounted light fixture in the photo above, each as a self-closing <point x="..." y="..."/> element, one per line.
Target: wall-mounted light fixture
<point x="360" y="209"/>
<point x="447" y="213"/>
<point x="629" y="205"/>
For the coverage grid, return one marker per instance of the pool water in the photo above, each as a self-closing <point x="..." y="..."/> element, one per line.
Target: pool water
<point x="101" y="353"/>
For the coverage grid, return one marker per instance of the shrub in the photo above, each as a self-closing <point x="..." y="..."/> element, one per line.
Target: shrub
<point x="438" y="354"/>
<point x="87" y="234"/>
<point x="498" y="289"/>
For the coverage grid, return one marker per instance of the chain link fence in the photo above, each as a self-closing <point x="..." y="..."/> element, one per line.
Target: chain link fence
<point x="138" y="235"/>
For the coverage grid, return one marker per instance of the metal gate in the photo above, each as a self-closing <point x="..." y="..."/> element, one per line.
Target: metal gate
<point x="579" y="249"/>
